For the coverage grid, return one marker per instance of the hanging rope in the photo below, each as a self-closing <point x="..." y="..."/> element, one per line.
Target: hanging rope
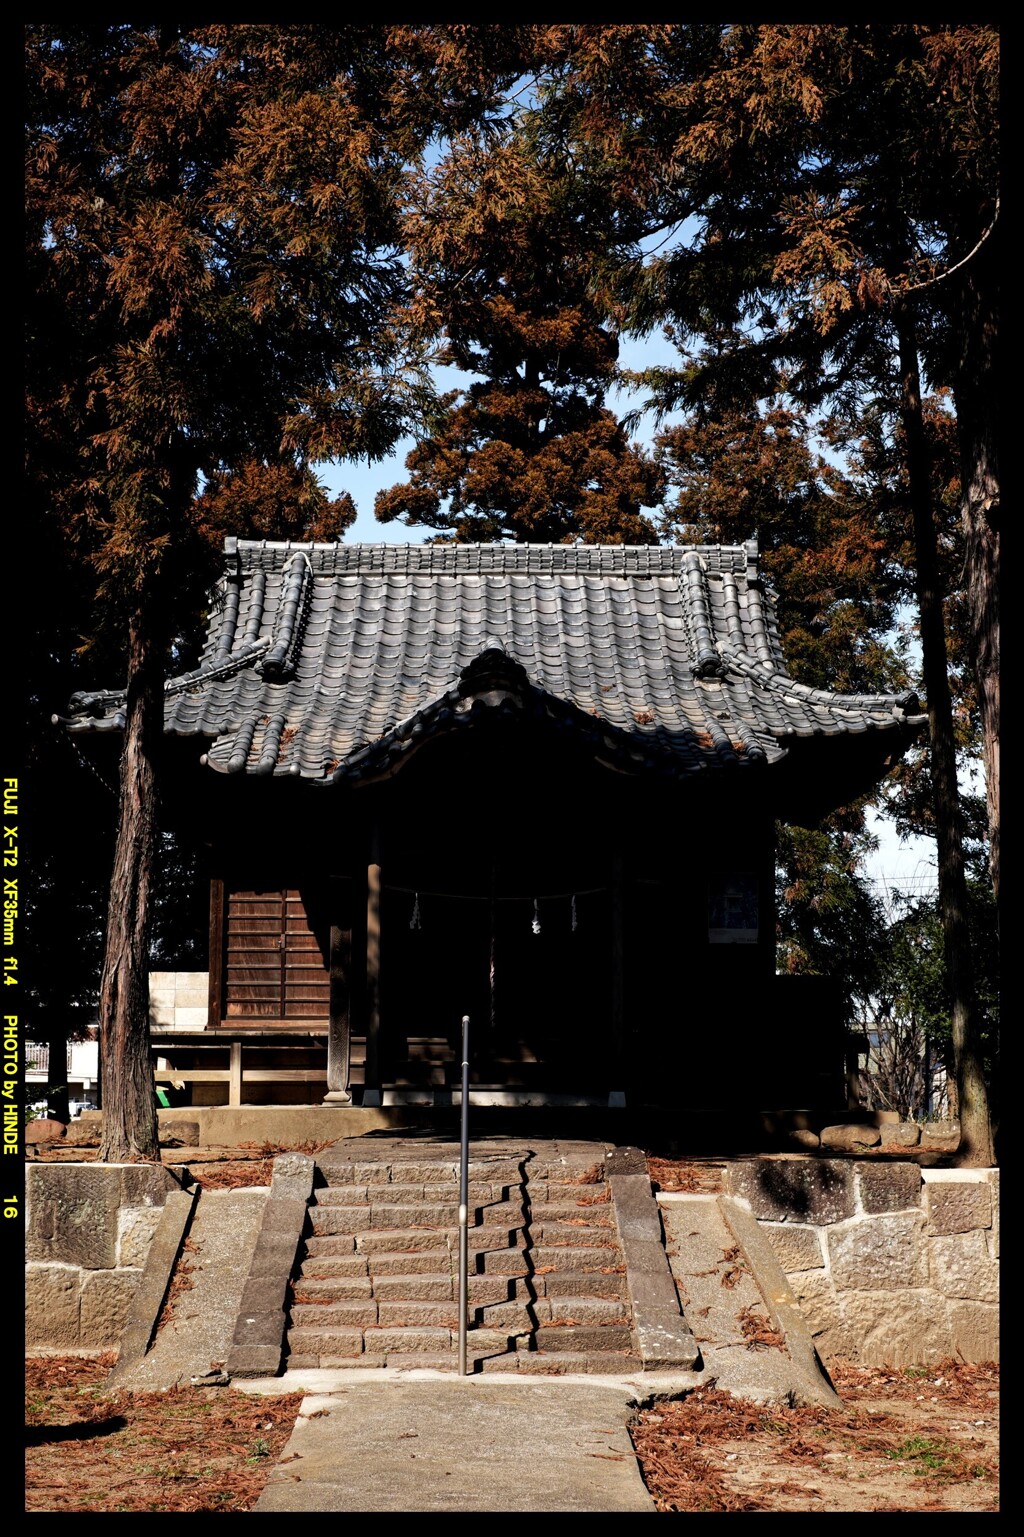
<point x="573" y="911"/>
<point x="414" y="921"/>
<point x="535" y="925"/>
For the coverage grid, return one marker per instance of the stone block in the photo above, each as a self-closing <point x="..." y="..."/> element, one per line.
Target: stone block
<point x="191" y="1019"/>
<point x="161" y="1010"/>
<point x="958" y="1205"/>
<point x="83" y="1133"/>
<point x="960" y="1266"/>
<point x="424" y="1341"/>
<point x="878" y="1253"/>
<point x="147" y="1184"/>
<point x="293" y="1177"/>
<point x="851" y="1139"/>
<point x="653" y="1289"/>
<point x="665" y="1339"/>
<point x="904" y="1134"/>
<point x="993" y="1180"/>
<point x="192" y="990"/>
<point x="796" y="1248"/>
<point x="136" y="1226"/>
<point x="802" y="1137"/>
<point x="72" y="1214"/>
<point x="52" y="1305"/>
<point x="273" y="1255"/>
<point x="161" y="981"/>
<point x="897" y="1328"/>
<point x="975" y="1327"/>
<point x="379" y="1173"/>
<point x="941" y="1136"/>
<point x="179" y="1133"/>
<point x="816" y="1295"/>
<point x="636" y="1210"/>
<point x="264" y="1294"/>
<point x="43" y="1130"/>
<point x="794" y="1189"/>
<point x="889" y="1187"/>
<point x="106" y="1303"/>
<point x="283" y="1216"/>
<point x="254" y="1361"/>
<point x="260" y="1328"/>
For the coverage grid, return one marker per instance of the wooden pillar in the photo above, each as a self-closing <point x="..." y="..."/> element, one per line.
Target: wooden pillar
<point x="235" y="1074"/>
<point x="339" y="1035"/>
<point x="618" y="1066"/>
<point x="217" y="907"/>
<point x="372" y="1080"/>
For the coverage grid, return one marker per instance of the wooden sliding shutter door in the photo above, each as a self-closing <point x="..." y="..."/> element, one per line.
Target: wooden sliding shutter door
<point x="276" y="958"/>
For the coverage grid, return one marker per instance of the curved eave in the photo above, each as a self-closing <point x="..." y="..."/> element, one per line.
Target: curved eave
<point x="673" y="754"/>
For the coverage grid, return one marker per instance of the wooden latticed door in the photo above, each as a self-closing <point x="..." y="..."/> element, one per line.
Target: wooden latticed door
<point x="276" y="956"/>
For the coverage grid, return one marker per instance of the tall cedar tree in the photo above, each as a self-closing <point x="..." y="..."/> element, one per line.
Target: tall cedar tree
<point x="822" y="547"/>
<point x="830" y="193"/>
<point x="214" y="267"/>
<point x="501" y="238"/>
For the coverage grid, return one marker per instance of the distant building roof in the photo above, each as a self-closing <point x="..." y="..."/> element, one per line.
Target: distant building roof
<point x="332" y="661"/>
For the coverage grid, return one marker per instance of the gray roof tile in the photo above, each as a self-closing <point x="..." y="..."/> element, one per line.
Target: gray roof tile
<point x="332" y="660"/>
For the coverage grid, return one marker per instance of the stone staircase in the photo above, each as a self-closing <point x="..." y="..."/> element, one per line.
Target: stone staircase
<point x="377" y="1284"/>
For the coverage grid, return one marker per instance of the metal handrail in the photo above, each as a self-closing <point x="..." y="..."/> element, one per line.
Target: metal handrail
<point x="464" y="1201"/>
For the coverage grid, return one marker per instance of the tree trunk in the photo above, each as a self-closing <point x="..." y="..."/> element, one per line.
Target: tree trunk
<point x="977" y="414"/>
<point x="976" y="1147"/>
<point x="129" y="1097"/>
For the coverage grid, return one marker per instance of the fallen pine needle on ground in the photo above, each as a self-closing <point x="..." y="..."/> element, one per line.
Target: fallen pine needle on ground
<point x="916" y="1439"/>
<point x="188" y="1449"/>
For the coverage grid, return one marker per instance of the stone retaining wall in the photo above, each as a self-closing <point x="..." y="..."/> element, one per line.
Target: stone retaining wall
<point x="89" y="1232"/>
<point x="892" y="1263"/>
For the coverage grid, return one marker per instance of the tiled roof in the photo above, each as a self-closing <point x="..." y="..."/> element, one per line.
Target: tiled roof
<point x="333" y="661"/>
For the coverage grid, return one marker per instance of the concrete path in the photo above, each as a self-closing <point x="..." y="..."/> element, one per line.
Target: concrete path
<point x="433" y="1442"/>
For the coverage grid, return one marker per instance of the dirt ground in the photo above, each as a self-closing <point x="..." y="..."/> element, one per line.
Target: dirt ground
<point x="903" y="1441"/>
<point x="909" y="1440"/>
<point x="913" y="1439"/>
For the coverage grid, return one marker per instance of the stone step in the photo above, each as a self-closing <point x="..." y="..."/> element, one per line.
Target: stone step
<point x="574" y="1234"/>
<point x="342" y="1288"/>
<point x="568" y="1211"/>
<point x="329" y="1219"/>
<point x="576" y="1256"/>
<point x="480" y="1193"/>
<point x="323" y="1267"/>
<point x="504" y="1262"/>
<point x="566" y="1363"/>
<point x="554" y="1338"/>
<point x="519" y="1315"/>
<point x="584" y="1309"/>
<point x="571" y="1288"/>
<point x="419" y="1171"/>
<point x="417" y="1287"/>
<point x="313" y="1339"/>
<point x="431" y="1339"/>
<point x="523" y="1362"/>
<point x="586" y="1174"/>
<point x="410" y="1240"/>
<point x="564" y="1283"/>
<point x="328" y="1314"/>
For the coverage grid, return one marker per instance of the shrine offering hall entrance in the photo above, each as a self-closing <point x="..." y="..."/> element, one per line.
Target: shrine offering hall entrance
<point x="384" y="957"/>
<point x="534" y="973"/>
